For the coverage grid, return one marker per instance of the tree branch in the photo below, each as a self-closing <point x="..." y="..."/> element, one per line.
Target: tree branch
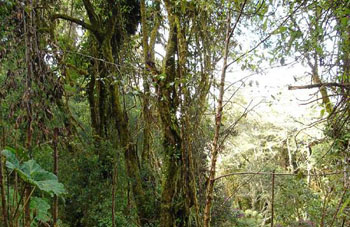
<point x="90" y="12"/>
<point x="278" y="174"/>
<point x="75" y="20"/>
<point x="238" y="18"/>
<point x="344" y="85"/>
<point x="268" y="36"/>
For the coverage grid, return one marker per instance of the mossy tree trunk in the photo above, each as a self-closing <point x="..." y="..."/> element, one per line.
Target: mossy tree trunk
<point x="146" y="96"/>
<point x="180" y="106"/>
<point x="172" y="206"/>
<point x="179" y="191"/>
<point x="149" y="36"/>
<point x="104" y="33"/>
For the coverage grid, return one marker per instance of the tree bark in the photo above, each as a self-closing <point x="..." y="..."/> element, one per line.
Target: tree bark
<point x="55" y="171"/>
<point x="29" y="32"/>
<point x="104" y="32"/>
<point x="2" y="181"/>
<point x="173" y="209"/>
<point x="146" y="100"/>
<point x="218" y="117"/>
<point x="114" y="182"/>
<point x="3" y="195"/>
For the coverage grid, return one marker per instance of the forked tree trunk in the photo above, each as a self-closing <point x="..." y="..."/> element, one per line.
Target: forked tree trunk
<point x="173" y="207"/>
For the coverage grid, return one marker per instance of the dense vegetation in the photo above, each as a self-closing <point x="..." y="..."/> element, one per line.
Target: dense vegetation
<point x="121" y="113"/>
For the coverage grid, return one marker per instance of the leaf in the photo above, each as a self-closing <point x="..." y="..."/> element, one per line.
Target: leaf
<point x="343" y="207"/>
<point x="322" y="113"/>
<point x="41" y="207"/>
<point x="30" y="167"/>
<point x="280" y="30"/>
<point x="27" y="9"/>
<point x="32" y="173"/>
<point x="44" y="180"/>
<point x="264" y="27"/>
<point x="162" y="76"/>
<point x="11" y="160"/>
<point x="52" y="187"/>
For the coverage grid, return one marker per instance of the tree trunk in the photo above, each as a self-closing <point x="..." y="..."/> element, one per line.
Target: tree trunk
<point x="114" y="182"/>
<point x="146" y="100"/>
<point x="3" y="195"/>
<point x="130" y="153"/>
<point x="218" y="117"/>
<point x="173" y="207"/>
<point x="314" y="67"/>
<point x="29" y="32"/>
<point x="55" y="171"/>
<point x="2" y="181"/>
<point x="92" y="104"/>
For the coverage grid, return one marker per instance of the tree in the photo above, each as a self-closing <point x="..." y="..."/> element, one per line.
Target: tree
<point x="108" y="34"/>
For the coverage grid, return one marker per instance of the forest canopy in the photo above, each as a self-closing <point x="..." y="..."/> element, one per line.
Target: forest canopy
<point x="146" y="113"/>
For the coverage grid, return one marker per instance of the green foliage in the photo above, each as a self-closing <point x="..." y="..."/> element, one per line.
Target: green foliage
<point x="32" y="173"/>
<point x="249" y="218"/>
<point x="41" y="210"/>
<point x="296" y="201"/>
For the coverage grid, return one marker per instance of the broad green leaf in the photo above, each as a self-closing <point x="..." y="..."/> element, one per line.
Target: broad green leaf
<point x="41" y="207"/>
<point x="32" y="173"/>
<point x="51" y="186"/>
<point x="41" y="178"/>
<point x="43" y="175"/>
<point x="11" y="160"/>
<point x="31" y="167"/>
